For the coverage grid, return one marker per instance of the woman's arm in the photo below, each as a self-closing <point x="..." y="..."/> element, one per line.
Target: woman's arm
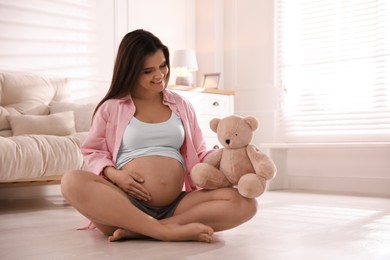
<point x="95" y="150"/>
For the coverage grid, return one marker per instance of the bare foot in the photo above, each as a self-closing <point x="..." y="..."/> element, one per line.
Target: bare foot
<point x="122" y="234"/>
<point x="190" y="232"/>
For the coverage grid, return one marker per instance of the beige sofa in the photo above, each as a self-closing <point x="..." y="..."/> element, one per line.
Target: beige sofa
<point x="40" y="130"/>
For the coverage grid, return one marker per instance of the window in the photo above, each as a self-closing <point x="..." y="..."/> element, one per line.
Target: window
<point x="55" y="37"/>
<point x="334" y="70"/>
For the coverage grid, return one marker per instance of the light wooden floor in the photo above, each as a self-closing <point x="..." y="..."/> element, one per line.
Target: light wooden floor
<point x="289" y="225"/>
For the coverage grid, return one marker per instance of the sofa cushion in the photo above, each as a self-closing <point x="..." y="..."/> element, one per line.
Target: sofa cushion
<point x="60" y="124"/>
<point x="29" y="94"/>
<point x="32" y="156"/>
<point x="82" y="112"/>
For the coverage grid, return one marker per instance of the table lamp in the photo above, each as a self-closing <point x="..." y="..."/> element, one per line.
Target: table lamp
<point x="184" y="61"/>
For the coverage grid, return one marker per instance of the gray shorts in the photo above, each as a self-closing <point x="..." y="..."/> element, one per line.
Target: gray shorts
<point x="158" y="212"/>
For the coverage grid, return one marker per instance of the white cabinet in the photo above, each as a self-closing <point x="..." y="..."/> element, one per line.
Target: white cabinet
<point x="208" y="104"/>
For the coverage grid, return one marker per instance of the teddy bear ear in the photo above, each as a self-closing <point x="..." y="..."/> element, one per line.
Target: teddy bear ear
<point x="252" y="122"/>
<point x="214" y="124"/>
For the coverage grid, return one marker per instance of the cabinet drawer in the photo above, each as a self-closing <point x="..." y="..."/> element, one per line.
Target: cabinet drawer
<point x="211" y="104"/>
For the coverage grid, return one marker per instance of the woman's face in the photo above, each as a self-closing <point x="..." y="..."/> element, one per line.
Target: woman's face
<point x="154" y="72"/>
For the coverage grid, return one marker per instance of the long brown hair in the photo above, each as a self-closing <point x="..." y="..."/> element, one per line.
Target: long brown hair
<point x="132" y="52"/>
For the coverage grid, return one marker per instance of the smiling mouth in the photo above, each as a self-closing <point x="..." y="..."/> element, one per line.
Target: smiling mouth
<point x="158" y="82"/>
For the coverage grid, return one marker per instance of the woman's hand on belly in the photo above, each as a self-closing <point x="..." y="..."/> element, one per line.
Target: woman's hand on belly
<point x="131" y="182"/>
<point x="162" y="177"/>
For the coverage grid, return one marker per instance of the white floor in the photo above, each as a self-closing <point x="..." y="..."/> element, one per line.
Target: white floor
<point x="289" y="225"/>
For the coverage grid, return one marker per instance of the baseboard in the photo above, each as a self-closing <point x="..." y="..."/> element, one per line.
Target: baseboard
<point x="379" y="187"/>
<point x="30" y="192"/>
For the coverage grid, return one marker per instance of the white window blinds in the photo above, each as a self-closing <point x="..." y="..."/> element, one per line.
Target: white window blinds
<point x="334" y="69"/>
<point x="55" y="37"/>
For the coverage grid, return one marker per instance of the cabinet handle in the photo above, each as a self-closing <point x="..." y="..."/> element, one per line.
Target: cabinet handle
<point x="216" y="146"/>
<point x="215" y="104"/>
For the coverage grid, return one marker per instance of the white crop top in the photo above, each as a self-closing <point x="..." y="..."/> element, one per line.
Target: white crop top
<point x="146" y="139"/>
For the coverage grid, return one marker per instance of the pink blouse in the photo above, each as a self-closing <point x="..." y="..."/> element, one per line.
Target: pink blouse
<point x="100" y="149"/>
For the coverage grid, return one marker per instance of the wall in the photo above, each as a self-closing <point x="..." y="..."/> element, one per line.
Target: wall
<point x="210" y="42"/>
<point x="356" y="170"/>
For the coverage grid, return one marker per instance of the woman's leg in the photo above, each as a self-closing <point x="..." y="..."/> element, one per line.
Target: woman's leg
<point x="109" y="208"/>
<point x="221" y="209"/>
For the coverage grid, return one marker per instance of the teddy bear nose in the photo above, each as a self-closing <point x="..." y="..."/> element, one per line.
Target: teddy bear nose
<point x="227" y="141"/>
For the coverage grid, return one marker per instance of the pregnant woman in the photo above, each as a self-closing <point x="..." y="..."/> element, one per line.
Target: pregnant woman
<point x="142" y="144"/>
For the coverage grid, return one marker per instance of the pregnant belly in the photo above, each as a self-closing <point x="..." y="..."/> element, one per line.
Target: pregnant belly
<point x="163" y="178"/>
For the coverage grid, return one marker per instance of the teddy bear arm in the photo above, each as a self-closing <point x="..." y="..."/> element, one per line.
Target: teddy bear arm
<point x="215" y="158"/>
<point x="262" y="164"/>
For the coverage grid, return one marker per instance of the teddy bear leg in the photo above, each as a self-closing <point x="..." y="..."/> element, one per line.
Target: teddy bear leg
<point x="208" y="177"/>
<point x="251" y="185"/>
<point x="262" y="164"/>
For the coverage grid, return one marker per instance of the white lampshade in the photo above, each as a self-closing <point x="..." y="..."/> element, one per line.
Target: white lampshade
<point x="185" y="60"/>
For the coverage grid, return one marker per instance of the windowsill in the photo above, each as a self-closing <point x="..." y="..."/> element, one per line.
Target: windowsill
<point x="325" y="145"/>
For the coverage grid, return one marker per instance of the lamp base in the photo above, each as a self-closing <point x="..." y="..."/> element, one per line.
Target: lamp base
<point x="184" y="80"/>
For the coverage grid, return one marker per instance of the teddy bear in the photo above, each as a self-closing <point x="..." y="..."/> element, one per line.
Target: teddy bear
<point x="239" y="163"/>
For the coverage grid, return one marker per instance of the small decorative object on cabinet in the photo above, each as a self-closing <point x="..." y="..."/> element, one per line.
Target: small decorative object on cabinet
<point x="208" y="104"/>
<point x="211" y="80"/>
